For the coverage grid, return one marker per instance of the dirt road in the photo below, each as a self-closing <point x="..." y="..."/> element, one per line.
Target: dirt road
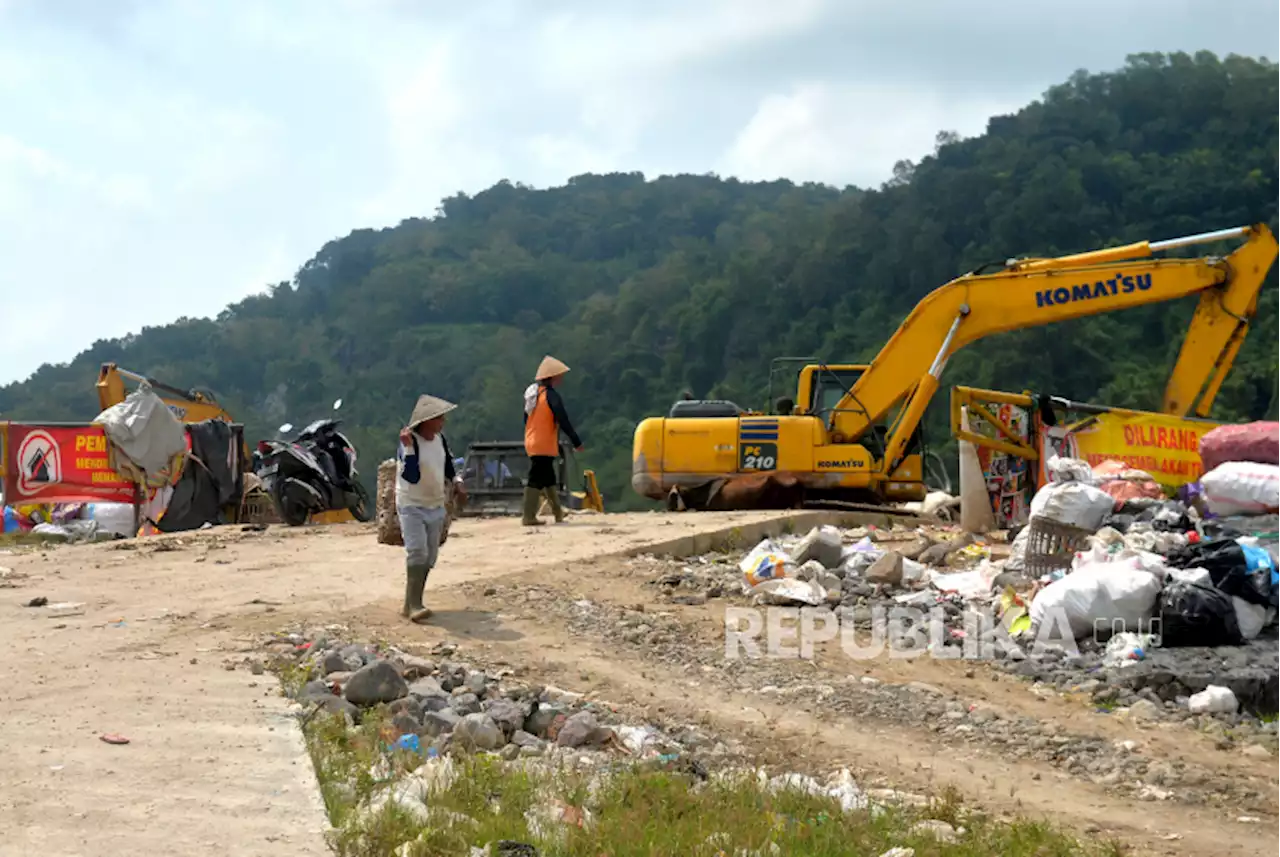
<point x="213" y="764"/>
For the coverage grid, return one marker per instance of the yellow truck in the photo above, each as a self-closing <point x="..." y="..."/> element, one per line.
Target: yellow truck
<point x="852" y="432"/>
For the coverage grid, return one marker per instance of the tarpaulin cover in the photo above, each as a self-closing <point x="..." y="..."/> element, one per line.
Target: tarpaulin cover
<point x="210" y="481"/>
<point x="1257" y="441"/>
<point x="144" y="429"/>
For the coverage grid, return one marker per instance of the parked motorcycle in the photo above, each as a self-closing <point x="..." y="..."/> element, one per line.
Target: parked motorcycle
<point x="314" y="472"/>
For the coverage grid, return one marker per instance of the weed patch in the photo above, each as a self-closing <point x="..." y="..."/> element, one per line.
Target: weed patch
<point x="383" y="801"/>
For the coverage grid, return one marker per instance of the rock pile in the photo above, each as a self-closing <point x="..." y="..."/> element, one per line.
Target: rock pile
<point x="448" y="705"/>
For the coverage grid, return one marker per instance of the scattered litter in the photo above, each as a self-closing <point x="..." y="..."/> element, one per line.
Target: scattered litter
<point x="113" y="738"/>
<point x="410" y="742"/>
<point x="1127" y="648"/>
<point x="765" y="562"/>
<point x="1214" y="699"/>
<point x="975" y="583"/>
<point x="788" y="590"/>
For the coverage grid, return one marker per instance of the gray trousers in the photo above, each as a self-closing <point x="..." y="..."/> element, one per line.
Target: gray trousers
<point x="421" y="529"/>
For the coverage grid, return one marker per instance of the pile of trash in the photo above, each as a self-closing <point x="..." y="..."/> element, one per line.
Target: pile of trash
<point x="1199" y="570"/>
<point x="70" y="522"/>
<point x="1151" y="588"/>
<point x="1109" y="568"/>
<point x="834" y="567"/>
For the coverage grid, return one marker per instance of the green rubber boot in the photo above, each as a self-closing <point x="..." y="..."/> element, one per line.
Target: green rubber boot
<point x="532" y="497"/>
<point x="553" y="500"/>
<point x="416" y="582"/>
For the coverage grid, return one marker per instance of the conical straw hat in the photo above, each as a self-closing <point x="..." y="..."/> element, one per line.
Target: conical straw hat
<point x="550" y="367"/>
<point x="428" y="408"/>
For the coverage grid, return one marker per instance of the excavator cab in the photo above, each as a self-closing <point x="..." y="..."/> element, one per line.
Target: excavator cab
<point x="701" y="444"/>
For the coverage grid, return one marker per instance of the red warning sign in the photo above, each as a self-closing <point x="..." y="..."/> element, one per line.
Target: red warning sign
<point x="61" y="464"/>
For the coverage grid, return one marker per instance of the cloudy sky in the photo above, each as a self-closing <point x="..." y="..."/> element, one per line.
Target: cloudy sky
<point x="161" y="158"/>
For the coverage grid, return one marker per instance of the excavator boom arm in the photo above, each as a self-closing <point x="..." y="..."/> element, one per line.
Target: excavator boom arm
<point x="1036" y="292"/>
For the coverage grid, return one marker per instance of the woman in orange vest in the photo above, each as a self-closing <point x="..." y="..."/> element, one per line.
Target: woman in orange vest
<point x="544" y="419"/>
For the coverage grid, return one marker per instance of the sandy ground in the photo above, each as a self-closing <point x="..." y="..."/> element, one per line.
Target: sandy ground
<point x="213" y="763"/>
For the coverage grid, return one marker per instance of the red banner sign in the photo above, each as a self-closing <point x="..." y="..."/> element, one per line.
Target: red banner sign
<point x="60" y="464"/>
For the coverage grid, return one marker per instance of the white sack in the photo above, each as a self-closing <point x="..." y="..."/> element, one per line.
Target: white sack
<point x="1214" y="699"/>
<point x="1074" y="504"/>
<point x="1242" y="488"/>
<point x="1118" y="594"/>
<point x="113" y="517"/>
<point x="1069" y="470"/>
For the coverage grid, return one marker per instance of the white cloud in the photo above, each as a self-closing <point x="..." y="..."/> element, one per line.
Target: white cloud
<point x="850" y="134"/>
<point x="28" y="172"/>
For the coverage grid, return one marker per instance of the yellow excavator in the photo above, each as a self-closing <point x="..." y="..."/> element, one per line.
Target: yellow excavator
<point x="190" y="406"/>
<point x="852" y="434"/>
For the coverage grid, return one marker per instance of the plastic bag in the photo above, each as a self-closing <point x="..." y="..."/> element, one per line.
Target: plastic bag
<point x="1063" y="470"/>
<point x="1198" y="576"/>
<point x="1193" y="615"/>
<point x="1258" y="442"/>
<point x="1172" y="517"/>
<point x="1242" y="488"/>
<point x="766" y="561"/>
<point x="1116" y="595"/>
<point x="788" y="590"/>
<point x="1214" y="699"/>
<point x="1017" y="561"/>
<point x="856" y="563"/>
<point x="1229" y="567"/>
<point x="114" y="518"/>
<point x="1127" y="648"/>
<point x="1251" y="618"/>
<point x="1074" y="504"/>
<point x="1144" y="537"/>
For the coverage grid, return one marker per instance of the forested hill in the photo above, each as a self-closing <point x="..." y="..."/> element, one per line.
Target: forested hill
<point x="646" y="288"/>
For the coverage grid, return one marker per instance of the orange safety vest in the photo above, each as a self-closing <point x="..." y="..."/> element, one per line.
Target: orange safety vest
<point x="541" y="434"/>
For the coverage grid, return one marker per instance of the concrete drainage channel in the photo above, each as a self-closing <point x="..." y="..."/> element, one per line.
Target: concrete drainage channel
<point x="746" y="536"/>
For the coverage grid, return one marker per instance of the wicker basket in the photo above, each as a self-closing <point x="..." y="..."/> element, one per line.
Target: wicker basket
<point x="256" y="508"/>
<point x="388" y="521"/>
<point x="1051" y="546"/>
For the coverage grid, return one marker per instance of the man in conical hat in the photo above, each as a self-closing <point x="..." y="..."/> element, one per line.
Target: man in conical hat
<point x="425" y="469"/>
<point x="544" y="419"/>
